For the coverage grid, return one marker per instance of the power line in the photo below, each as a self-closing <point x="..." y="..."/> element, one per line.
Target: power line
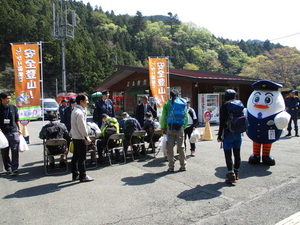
<point x="285" y="36"/>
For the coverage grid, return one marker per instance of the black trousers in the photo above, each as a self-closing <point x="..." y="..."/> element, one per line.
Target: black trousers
<point x="237" y="159"/>
<point x="294" y="118"/>
<point x="187" y="133"/>
<point x="79" y="158"/>
<point x="11" y="164"/>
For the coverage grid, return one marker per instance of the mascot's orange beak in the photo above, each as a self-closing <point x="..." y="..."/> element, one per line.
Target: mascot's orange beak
<point x="261" y="106"/>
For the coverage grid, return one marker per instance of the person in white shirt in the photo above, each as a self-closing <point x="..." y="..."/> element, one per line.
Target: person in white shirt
<point x="81" y="140"/>
<point x="192" y="124"/>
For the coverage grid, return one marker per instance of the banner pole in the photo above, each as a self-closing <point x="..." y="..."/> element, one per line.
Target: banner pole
<point x="168" y="78"/>
<point x="42" y="80"/>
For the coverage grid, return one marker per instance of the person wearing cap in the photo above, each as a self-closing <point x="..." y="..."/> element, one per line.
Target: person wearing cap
<point x="80" y="138"/>
<point x="292" y="105"/>
<point x="67" y="113"/>
<point x="192" y="124"/>
<point x="103" y="106"/>
<point x="142" y="109"/>
<point x="110" y="126"/>
<point x="173" y="126"/>
<point x="61" y="109"/>
<point x="231" y="141"/>
<point x="136" y="127"/>
<point x="267" y="118"/>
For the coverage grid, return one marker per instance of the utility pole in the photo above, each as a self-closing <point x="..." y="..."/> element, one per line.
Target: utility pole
<point x="62" y="30"/>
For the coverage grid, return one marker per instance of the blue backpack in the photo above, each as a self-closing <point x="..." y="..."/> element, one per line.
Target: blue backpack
<point x="237" y="122"/>
<point x="177" y="112"/>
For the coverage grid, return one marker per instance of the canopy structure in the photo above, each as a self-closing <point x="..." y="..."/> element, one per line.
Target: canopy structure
<point x="65" y="95"/>
<point x="97" y="94"/>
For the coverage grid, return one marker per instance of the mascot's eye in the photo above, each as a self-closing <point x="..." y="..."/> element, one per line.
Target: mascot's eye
<point x="268" y="100"/>
<point x="255" y="100"/>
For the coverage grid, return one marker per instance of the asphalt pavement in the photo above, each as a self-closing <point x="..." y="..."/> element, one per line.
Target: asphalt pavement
<point x="143" y="192"/>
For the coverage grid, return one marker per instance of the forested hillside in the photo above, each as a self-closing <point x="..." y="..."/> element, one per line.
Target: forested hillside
<point x="103" y="39"/>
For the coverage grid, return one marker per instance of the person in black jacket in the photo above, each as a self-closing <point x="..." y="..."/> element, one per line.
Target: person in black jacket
<point x="231" y="141"/>
<point x="292" y="103"/>
<point x="67" y="113"/>
<point x="55" y="130"/>
<point x="192" y="124"/>
<point x="9" y="125"/>
<point x="142" y="109"/>
<point x="61" y="109"/>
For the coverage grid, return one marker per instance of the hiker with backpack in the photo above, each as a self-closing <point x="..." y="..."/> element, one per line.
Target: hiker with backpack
<point x="192" y="124"/>
<point x="110" y="126"/>
<point x="232" y="124"/>
<point x="173" y="121"/>
<point x="128" y="125"/>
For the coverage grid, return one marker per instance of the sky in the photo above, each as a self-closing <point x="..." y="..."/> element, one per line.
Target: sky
<point x="275" y="20"/>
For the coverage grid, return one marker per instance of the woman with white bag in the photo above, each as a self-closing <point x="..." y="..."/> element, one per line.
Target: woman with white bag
<point x="9" y="125"/>
<point x="191" y="128"/>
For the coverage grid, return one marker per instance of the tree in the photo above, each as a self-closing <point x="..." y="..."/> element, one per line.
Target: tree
<point x="280" y="65"/>
<point x="232" y="59"/>
<point x="137" y="24"/>
<point x="190" y="66"/>
<point x="103" y="39"/>
<point x="174" y="23"/>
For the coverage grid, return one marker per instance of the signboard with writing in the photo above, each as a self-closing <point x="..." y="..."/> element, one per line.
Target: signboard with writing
<point x="26" y="61"/>
<point x="158" y="79"/>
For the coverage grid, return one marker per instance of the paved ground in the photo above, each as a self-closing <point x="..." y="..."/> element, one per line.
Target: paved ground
<point x="142" y="192"/>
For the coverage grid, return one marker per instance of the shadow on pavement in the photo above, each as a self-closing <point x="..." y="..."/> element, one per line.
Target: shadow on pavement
<point x="146" y="178"/>
<point x="204" y="192"/>
<point x="30" y="173"/>
<point x="41" y="190"/>
<point x="156" y="162"/>
<point x="246" y="170"/>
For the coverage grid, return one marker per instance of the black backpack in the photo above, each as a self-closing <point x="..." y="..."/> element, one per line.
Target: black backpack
<point x="53" y="131"/>
<point x="109" y="130"/>
<point x="129" y="127"/>
<point x="237" y="122"/>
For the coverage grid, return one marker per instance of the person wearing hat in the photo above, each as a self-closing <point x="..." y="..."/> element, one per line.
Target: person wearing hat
<point x="173" y="121"/>
<point x="128" y="125"/>
<point x="267" y="118"/>
<point x="192" y="124"/>
<point x="67" y="113"/>
<point x="292" y="105"/>
<point x="61" y="109"/>
<point x="142" y="109"/>
<point x="231" y="141"/>
<point x="103" y="106"/>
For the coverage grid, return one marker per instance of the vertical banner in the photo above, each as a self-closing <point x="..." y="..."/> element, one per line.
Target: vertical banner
<point x="26" y="61"/>
<point x="159" y="78"/>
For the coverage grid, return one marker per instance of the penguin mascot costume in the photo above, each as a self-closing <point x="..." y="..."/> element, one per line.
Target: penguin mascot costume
<point x="267" y="117"/>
